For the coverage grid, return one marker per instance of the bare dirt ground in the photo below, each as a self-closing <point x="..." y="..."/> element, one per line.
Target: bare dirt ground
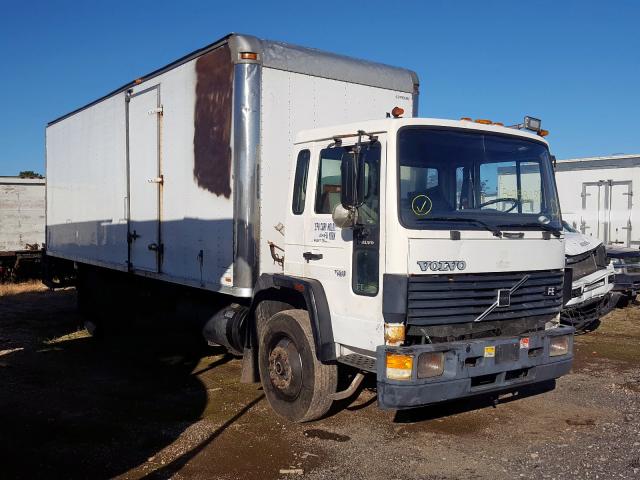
<point x="156" y="403"/>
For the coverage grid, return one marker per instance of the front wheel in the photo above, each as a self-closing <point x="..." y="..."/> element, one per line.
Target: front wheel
<point x="297" y="385"/>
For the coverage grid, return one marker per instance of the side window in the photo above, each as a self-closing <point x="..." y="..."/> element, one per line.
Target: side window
<point x="300" y="182"/>
<point x="329" y="180"/>
<point x="366" y="246"/>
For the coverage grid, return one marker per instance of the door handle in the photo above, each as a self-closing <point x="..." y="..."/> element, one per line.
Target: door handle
<point x="311" y="256"/>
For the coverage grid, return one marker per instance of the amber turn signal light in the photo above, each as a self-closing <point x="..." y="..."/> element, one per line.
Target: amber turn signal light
<point x="399" y="366"/>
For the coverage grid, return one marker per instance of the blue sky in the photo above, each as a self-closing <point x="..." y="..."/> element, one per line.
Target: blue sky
<point x="575" y="64"/>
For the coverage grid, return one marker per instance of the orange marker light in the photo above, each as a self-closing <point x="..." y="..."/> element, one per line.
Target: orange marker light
<point x="466" y="119"/>
<point x="137" y="81"/>
<point x="499" y="124"/>
<point x="248" y="56"/>
<point x="399" y="366"/>
<point x="543" y="133"/>
<point x="483" y="121"/>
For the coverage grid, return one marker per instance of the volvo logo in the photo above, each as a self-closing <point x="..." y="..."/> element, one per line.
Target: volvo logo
<point x="442" y="265"/>
<point x="503" y="298"/>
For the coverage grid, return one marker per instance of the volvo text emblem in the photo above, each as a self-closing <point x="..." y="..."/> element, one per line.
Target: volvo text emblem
<point x="442" y="265"/>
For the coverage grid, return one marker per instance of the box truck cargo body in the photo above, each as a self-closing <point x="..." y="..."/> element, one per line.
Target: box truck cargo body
<point x="597" y="196"/>
<point x="21" y="213"/>
<point x="22" y="223"/>
<point x="180" y="176"/>
<point x="325" y="229"/>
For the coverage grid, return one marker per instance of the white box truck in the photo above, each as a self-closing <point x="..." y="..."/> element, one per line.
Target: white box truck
<point x="597" y="194"/>
<point x="281" y="188"/>
<point x="21" y="227"/>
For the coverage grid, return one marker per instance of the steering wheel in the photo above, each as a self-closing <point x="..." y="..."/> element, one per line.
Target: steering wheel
<point x="515" y="202"/>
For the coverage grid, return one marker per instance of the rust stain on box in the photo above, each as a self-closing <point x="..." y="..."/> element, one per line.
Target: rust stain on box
<point x="212" y="121"/>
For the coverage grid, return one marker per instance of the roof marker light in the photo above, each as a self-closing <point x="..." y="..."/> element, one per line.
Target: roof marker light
<point x="466" y="119"/>
<point x="483" y="121"/>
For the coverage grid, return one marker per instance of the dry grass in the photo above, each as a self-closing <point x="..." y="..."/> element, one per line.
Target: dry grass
<point x="25" y="287"/>
<point x="70" y="336"/>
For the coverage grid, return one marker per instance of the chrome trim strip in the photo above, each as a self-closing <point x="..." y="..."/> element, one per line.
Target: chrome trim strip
<point x="512" y="290"/>
<point x="246" y="163"/>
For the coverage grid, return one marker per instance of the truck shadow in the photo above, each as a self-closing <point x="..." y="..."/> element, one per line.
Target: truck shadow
<point x="73" y="406"/>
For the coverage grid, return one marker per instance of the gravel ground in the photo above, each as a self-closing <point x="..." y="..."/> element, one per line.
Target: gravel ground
<point x="158" y="404"/>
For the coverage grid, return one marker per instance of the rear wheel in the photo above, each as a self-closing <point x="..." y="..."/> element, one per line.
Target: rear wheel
<point x="297" y="385"/>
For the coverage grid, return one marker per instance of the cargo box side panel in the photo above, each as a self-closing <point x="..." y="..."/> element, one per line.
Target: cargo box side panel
<point x="21" y="214"/>
<point x="87" y="186"/>
<point x="196" y="211"/>
<point x="590" y="208"/>
<point x="292" y="102"/>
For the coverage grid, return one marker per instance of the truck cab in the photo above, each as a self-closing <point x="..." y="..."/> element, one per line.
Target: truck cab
<point x="437" y="246"/>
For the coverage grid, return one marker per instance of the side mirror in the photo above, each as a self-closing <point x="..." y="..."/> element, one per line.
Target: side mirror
<point x="344" y="217"/>
<point x="352" y="188"/>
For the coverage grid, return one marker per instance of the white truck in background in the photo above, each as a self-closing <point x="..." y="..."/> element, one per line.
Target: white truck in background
<point x="22" y="219"/>
<point x="597" y="195"/>
<point x="280" y="190"/>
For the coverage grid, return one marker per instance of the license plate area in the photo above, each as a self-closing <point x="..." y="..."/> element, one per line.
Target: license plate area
<point x="507" y="352"/>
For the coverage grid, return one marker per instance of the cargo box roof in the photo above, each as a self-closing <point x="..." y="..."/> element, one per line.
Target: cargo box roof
<point x="293" y="58"/>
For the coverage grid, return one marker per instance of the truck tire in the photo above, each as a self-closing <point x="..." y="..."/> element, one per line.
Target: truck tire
<point x="297" y="385"/>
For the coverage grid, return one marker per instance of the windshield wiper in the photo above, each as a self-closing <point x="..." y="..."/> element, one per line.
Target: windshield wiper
<point x="554" y="231"/>
<point x="496" y="232"/>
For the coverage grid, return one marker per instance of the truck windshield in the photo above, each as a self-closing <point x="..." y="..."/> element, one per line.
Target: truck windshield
<point x="448" y="177"/>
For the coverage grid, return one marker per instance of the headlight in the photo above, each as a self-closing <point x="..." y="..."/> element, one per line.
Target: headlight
<point x="399" y="366"/>
<point x="430" y="364"/>
<point x="559" y="346"/>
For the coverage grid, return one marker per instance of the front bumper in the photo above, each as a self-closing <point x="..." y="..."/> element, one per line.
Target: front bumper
<point x="469" y="372"/>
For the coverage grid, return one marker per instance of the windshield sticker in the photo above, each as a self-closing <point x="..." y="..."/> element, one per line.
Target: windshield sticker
<point x="421" y="205"/>
<point x="324" y="231"/>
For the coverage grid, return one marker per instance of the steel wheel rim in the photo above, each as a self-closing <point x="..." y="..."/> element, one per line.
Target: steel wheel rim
<point x="285" y="368"/>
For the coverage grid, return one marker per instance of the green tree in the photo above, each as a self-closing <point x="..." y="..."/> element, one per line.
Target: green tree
<point x="29" y="174"/>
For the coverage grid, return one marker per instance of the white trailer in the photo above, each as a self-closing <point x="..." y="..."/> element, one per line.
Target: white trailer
<point x="233" y="178"/>
<point x="596" y="195"/>
<point x="21" y="213"/>
<point x="22" y="222"/>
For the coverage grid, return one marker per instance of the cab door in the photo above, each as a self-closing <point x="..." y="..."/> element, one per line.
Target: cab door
<point x="347" y="261"/>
